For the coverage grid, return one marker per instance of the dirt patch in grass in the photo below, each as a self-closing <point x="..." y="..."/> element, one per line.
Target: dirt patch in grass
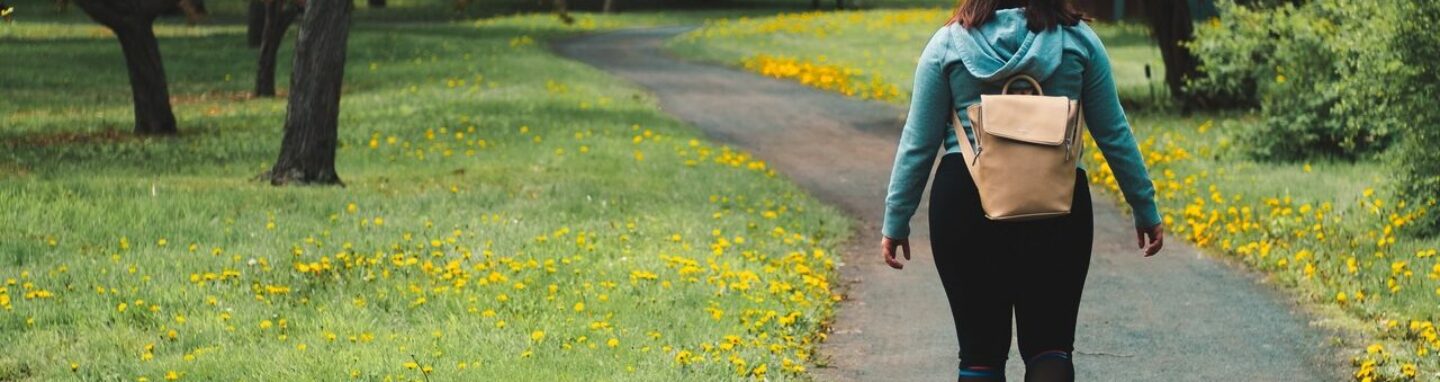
<point x="61" y="138"/>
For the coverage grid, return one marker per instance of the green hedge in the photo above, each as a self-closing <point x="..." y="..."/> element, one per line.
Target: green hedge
<point x="1342" y="79"/>
<point x="1318" y="72"/>
<point x="1418" y="95"/>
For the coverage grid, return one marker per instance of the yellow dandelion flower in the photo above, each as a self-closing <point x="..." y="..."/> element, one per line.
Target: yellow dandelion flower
<point x="684" y="357"/>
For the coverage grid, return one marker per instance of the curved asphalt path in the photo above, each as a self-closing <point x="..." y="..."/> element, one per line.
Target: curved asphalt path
<point x="1177" y="317"/>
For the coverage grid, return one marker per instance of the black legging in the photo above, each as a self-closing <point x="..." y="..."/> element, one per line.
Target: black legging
<point x="1037" y="268"/>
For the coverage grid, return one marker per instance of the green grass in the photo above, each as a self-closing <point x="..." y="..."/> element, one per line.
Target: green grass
<point x="1317" y="228"/>
<point x="487" y="182"/>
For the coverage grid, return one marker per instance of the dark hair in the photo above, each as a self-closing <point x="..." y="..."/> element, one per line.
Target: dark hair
<point x="1039" y="14"/>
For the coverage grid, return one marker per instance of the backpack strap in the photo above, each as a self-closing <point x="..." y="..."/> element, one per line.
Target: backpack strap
<point x="970" y="154"/>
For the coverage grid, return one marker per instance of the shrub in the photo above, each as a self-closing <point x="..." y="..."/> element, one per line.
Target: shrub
<point x="1418" y="157"/>
<point x="1333" y="78"/>
<point x="1319" y="73"/>
<point x="1230" y="50"/>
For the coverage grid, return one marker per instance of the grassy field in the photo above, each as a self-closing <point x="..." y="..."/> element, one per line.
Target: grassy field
<point x="510" y="215"/>
<point x="1326" y="230"/>
<point x="507" y="215"/>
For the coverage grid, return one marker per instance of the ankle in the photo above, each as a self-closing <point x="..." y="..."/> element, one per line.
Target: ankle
<point x="981" y="374"/>
<point x="1050" y="366"/>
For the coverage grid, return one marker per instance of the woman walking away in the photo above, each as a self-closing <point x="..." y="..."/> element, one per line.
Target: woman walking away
<point x="992" y="265"/>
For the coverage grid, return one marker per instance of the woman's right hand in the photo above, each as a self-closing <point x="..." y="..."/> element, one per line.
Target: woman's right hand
<point x="887" y="249"/>
<point x="1155" y="236"/>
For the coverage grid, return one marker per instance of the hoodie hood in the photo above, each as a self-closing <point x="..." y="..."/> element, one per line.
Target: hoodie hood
<point x="1004" y="46"/>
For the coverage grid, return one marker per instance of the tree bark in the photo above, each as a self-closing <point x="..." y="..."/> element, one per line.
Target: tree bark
<point x="1171" y="26"/>
<point x="255" y="24"/>
<point x="562" y="9"/>
<point x="608" y="6"/>
<point x="307" y="152"/>
<point x="153" y="115"/>
<point x="134" y="27"/>
<point x="278" y="16"/>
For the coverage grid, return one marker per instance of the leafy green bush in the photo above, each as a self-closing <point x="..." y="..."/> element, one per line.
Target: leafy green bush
<point x="1319" y="72"/>
<point x="1231" y="50"/>
<point x="1418" y="157"/>
<point x="1333" y="78"/>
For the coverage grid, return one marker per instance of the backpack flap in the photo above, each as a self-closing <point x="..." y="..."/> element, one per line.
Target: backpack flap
<point x="1040" y="120"/>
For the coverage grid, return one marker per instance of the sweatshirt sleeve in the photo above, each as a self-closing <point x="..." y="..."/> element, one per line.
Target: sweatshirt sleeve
<point x="930" y="109"/>
<point x="1107" y="124"/>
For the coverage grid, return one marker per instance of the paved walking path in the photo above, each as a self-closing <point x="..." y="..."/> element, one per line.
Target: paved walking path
<point x="1177" y="317"/>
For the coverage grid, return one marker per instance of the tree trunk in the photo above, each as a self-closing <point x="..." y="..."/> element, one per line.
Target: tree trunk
<point x="255" y="24"/>
<point x="376" y="3"/>
<point x="1171" y="26"/>
<point x="133" y="25"/>
<point x="609" y="6"/>
<point x="307" y="153"/>
<point x="278" y="17"/>
<point x="562" y="9"/>
<point x="148" y="86"/>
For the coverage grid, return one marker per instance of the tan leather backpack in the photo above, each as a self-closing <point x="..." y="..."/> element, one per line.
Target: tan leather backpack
<point x="1023" y="162"/>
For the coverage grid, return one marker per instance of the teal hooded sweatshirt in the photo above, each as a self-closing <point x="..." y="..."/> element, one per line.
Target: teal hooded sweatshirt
<point x="960" y="64"/>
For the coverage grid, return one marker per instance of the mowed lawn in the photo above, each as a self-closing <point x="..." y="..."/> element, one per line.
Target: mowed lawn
<point x="1328" y="230"/>
<point x="506" y="215"/>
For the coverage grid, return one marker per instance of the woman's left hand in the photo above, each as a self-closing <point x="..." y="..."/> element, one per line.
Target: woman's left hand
<point x="887" y="248"/>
